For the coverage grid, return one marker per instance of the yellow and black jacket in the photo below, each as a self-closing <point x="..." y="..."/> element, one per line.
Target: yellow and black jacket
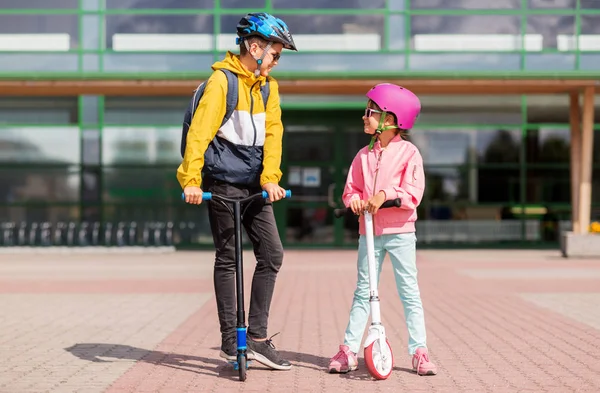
<point x="246" y="150"/>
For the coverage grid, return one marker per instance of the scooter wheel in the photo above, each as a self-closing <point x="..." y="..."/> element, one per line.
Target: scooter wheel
<point x="379" y="361"/>
<point x="242" y="367"/>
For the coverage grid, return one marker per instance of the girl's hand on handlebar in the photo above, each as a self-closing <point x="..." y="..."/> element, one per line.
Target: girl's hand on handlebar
<point x="375" y="202"/>
<point x="193" y="195"/>
<point x="357" y="206"/>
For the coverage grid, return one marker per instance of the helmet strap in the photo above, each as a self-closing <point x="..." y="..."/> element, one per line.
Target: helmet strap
<point x="380" y="129"/>
<point x="259" y="60"/>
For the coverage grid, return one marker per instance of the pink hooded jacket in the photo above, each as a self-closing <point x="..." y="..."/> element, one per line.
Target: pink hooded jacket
<point x="398" y="171"/>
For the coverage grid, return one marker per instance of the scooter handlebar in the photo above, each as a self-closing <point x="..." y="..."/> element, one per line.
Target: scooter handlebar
<point x="391" y="203"/>
<point x="207" y="196"/>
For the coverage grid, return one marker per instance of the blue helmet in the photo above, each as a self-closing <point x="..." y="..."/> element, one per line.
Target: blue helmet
<point x="265" y="26"/>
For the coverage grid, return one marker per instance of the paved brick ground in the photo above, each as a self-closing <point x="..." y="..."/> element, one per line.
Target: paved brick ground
<point x="498" y="321"/>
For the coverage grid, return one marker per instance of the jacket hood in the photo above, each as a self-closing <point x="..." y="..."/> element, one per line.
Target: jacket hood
<point x="232" y="63"/>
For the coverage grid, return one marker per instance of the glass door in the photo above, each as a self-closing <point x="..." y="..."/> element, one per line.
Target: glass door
<point x="312" y="170"/>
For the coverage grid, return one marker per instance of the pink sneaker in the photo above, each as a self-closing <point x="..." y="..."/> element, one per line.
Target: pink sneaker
<point x="421" y="363"/>
<point x="344" y="361"/>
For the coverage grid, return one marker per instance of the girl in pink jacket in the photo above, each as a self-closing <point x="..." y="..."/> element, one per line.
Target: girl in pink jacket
<point x="389" y="168"/>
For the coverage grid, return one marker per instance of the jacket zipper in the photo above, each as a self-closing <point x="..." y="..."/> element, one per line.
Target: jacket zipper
<point x="375" y="180"/>
<point x="252" y="111"/>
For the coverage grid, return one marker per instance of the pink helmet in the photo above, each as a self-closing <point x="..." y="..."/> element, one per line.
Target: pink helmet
<point x="403" y="103"/>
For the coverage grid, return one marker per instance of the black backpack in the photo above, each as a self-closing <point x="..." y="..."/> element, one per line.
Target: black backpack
<point x="231" y="103"/>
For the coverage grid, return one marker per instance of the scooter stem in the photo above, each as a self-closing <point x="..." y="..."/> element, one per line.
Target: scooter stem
<point x="374" y="294"/>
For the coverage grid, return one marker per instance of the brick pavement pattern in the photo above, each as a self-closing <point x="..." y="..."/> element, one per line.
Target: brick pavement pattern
<point x="498" y="321"/>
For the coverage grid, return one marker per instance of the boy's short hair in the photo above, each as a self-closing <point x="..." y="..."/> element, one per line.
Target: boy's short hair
<point x="252" y="39"/>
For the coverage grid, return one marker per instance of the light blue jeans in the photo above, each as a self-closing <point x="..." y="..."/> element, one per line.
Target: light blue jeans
<point x="402" y="250"/>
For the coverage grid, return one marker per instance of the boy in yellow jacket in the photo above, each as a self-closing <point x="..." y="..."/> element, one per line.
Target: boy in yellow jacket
<point x="237" y="159"/>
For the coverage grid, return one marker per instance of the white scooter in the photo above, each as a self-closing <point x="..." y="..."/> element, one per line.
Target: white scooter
<point x="378" y="352"/>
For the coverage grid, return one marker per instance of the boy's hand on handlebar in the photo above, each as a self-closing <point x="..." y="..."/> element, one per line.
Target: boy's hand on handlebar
<point x="357" y="206"/>
<point x="275" y="192"/>
<point x="375" y="202"/>
<point x="193" y="195"/>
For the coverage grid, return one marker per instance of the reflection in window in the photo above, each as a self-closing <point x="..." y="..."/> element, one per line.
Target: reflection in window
<point x="162" y="62"/>
<point x="553" y="3"/>
<point x="460" y="4"/>
<point x="590" y="24"/>
<point x="550" y="27"/>
<point x="38" y="110"/>
<point x="141" y="145"/>
<point x="41" y="185"/>
<point x="34" y="4"/>
<point x="48" y="145"/>
<point x="467" y="146"/>
<point x="548" y="185"/>
<point x="141" y="185"/>
<point x="323" y="24"/>
<point x="242" y="4"/>
<point x="56" y="32"/>
<point x="548" y="145"/>
<point x="158" y="4"/>
<point x="471" y="185"/>
<point x="465" y="24"/>
<point x="316" y="4"/>
<point x="464" y="62"/>
<point x="309" y="146"/>
<point x="124" y="25"/>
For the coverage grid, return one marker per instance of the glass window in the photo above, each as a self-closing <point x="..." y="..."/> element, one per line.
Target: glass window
<point x="328" y="32"/>
<point x="33" y="4"/>
<point x="243" y="4"/>
<point x="309" y="143"/>
<point x="136" y="32"/>
<point x="303" y="63"/>
<point x="549" y="62"/>
<point x="553" y="3"/>
<point x="27" y="62"/>
<point x="353" y="4"/>
<point x="498" y="185"/>
<point x="120" y="62"/>
<point x="465" y="62"/>
<point x="590" y="24"/>
<point x="56" y="32"/>
<point x="467" y="146"/>
<point x="548" y="145"/>
<point x="548" y="185"/>
<point x="41" y="185"/>
<point x="141" y="184"/>
<point x="48" y="145"/>
<point x="89" y="109"/>
<point x="159" y="4"/>
<point x="471" y="185"/>
<point x="91" y="31"/>
<point x="466" y="33"/>
<point x="462" y="4"/>
<point x="141" y="145"/>
<point x="589" y="62"/>
<point x="397" y="32"/>
<point x="91" y="146"/>
<point x="550" y="27"/>
<point x="38" y="110"/>
<point x="145" y="110"/>
<point x="589" y="4"/>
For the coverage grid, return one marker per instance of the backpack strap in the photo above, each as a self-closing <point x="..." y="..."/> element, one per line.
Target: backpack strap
<point x="232" y="94"/>
<point x="265" y="91"/>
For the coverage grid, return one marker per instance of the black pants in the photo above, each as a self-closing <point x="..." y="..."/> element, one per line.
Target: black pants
<point x="259" y="222"/>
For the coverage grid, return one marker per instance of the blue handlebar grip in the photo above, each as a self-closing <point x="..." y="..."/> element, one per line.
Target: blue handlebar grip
<point x="288" y="194"/>
<point x="206" y="196"/>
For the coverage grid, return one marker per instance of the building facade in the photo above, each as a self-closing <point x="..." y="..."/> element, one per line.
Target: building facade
<point x="88" y="156"/>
